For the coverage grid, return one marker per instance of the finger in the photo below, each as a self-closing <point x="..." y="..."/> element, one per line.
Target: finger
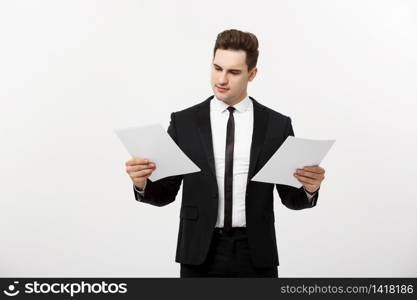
<point x="309" y="174"/>
<point x="130" y="162"/>
<point x="307" y="180"/>
<point x="136" y="168"/>
<point x="306" y="184"/>
<point x="141" y="173"/>
<point x="314" y="169"/>
<point x="137" y="161"/>
<point x="303" y="182"/>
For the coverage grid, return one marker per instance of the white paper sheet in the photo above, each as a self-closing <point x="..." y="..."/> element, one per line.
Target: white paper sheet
<point x="154" y="143"/>
<point x="294" y="153"/>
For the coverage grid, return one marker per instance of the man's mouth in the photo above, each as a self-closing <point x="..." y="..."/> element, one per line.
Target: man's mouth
<point x="220" y="89"/>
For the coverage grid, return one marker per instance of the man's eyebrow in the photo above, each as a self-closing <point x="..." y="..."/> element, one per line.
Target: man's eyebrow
<point x="239" y="70"/>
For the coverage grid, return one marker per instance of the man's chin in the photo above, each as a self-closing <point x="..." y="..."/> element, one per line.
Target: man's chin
<point x="222" y="97"/>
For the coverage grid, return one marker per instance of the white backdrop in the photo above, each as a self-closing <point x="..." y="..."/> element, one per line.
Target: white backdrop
<point x="71" y="71"/>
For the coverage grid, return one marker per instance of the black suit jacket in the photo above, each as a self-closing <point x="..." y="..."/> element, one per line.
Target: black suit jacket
<point x="191" y="130"/>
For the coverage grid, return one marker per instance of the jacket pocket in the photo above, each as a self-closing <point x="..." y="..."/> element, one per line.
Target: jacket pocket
<point x="189" y="212"/>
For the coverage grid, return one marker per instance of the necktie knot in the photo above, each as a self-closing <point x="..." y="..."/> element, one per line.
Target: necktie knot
<point x="231" y="109"/>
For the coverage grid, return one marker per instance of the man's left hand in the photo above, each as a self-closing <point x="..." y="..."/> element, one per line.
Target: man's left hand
<point x="310" y="177"/>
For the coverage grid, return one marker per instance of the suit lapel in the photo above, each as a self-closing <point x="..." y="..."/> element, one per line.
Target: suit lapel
<point x="204" y="129"/>
<point x="260" y="122"/>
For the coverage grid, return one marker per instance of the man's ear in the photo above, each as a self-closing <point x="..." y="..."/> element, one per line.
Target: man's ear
<point x="252" y="73"/>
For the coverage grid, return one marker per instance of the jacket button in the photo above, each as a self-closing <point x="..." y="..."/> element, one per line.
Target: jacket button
<point x="215" y="195"/>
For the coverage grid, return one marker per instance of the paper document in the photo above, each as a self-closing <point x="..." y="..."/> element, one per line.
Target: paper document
<point x="154" y="143"/>
<point x="294" y="153"/>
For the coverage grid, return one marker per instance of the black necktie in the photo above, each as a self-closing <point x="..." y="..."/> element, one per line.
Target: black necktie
<point x="228" y="170"/>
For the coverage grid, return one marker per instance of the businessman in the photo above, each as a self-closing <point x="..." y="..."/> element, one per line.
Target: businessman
<point x="226" y="224"/>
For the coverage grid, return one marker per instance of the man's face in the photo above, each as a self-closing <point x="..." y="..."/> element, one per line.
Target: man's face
<point x="230" y="76"/>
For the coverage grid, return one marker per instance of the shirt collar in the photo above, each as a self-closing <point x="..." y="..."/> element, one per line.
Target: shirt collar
<point x="220" y="106"/>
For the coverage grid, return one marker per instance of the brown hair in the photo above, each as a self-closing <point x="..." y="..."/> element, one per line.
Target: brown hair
<point x="239" y="40"/>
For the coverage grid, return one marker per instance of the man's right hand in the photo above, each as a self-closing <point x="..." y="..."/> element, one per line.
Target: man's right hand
<point x="139" y="169"/>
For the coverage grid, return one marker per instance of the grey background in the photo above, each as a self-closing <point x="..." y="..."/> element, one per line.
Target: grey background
<point x="71" y="71"/>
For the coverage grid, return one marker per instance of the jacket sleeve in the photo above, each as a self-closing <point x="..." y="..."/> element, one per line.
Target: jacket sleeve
<point x="163" y="191"/>
<point x="292" y="197"/>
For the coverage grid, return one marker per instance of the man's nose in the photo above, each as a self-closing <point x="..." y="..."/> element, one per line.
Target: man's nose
<point x="223" y="79"/>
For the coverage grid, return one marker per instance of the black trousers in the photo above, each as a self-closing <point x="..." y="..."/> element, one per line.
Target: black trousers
<point x="229" y="256"/>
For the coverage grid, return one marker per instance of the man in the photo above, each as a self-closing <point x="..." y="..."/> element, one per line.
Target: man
<point x="227" y="221"/>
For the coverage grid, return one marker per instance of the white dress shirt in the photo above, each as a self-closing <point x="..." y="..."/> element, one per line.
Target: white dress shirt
<point x="243" y="117"/>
